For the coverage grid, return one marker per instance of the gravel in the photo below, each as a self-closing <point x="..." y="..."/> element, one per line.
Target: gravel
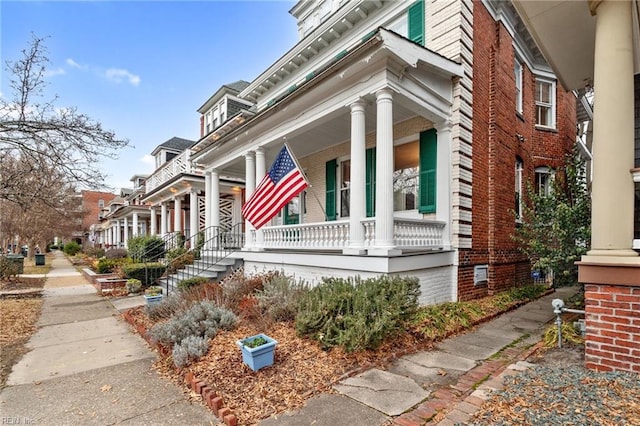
<point x="573" y="395"/>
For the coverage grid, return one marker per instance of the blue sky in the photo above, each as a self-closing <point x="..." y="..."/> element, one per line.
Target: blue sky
<point x="143" y="68"/>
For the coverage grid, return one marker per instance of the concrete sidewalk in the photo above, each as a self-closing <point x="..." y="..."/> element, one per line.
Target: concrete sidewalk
<point x="86" y="367"/>
<point x="441" y="386"/>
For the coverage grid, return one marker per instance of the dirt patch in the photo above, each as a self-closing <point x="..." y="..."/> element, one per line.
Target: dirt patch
<point x="18" y="318"/>
<point x="567" y="356"/>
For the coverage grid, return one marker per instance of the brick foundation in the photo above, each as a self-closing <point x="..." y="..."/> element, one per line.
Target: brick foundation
<point x="612" y="298"/>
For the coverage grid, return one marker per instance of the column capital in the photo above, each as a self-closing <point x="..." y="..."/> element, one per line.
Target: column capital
<point x="443" y="126"/>
<point x="358" y="106"/>
<point x="259" y="150"/>
<point x="385" y="93"/>
<point x="249" y="154"/>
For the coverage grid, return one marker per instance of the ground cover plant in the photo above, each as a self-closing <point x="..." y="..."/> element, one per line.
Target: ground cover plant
<point x="305" y="365"/>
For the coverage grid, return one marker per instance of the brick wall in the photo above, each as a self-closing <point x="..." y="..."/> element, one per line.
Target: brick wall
<point x="90" y="207"/>
<point x="613" y="327"/>
<point x="496" y="145"/>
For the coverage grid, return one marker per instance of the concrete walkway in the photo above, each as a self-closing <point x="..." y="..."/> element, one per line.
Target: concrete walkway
<point x="86" y="367"/>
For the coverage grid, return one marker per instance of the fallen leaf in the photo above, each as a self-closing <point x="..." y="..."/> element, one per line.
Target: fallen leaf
<point x="105" y="388"/>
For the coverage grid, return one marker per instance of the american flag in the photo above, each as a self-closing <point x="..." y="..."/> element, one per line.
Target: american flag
<point x="283" y="181"/>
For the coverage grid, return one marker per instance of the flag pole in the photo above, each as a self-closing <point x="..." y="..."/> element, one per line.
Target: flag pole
<point x="295" y="160"/>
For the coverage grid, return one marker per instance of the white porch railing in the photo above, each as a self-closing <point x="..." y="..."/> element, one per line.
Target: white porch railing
<point x="334" y="235"/>
<point x="177" y="165"/>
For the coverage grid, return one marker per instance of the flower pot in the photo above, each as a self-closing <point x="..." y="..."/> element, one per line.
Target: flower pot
<point x="259" y="356"/>
<point x="152" y="300"/>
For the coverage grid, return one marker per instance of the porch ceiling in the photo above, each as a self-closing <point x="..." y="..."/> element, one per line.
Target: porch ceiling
<point x="565" y="33"/>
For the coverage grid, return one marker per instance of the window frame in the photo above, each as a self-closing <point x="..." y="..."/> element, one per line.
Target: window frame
<point x="551" y="105"/>
<point x="518" y="70"/>
<point x="519" y="169"/>
<point x="548" y="184"/>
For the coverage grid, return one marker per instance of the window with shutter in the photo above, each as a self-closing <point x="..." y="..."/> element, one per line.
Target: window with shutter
<point x="330" y="189"/>
<point x="370" y="182"/>
<point x="416" y="22"/>
<point x="428" y="165"/>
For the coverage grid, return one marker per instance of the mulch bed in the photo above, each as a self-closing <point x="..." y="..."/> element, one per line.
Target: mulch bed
<point x="301" y="368"/>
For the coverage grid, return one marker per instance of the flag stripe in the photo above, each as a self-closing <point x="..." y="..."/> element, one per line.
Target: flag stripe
<point x="281" y="184"/>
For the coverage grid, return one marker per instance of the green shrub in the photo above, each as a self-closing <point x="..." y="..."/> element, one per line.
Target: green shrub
<point x="146" y="248"/>
<point x="134" y="285"/>
<point x="192" y="282"/>
<point x="105" y="266"/>
<point x="202" y="319"/>
<point x="154" y="290"/>
<point x="72" y="248"/>
<point x="116" y="253"/>
<point x="96" y="252"/>
<point x="179" y="261"/>
<point x="190" y="349"/>
<point x="8" y="268"/>
<point x="280" y="297"/>
<point x="357" y="314"/>
<point x="147" y="273"/>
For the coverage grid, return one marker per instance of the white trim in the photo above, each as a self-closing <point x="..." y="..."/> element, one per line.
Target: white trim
<point x="552" y="102"/>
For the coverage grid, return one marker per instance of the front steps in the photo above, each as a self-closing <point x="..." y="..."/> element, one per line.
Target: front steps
<point x="207" y="266"/>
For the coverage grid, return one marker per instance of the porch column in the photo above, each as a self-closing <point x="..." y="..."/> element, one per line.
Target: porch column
<point x="443" y="180"/>
<point x="118" y="234"/>
<point x="384" y="243"/>
<point x="177" y="214"/>
<point x="250" y="186"/>
<point x="613" y="138"/>
<point x="357" y="200"/>
<point x="194" y="223"/>
<point x="153" y="220"/>
<point x="215" y="205"/>
<point x="125" y="224"/>
<point x="163" y="218"/>
<point x="207" y="199"/>
<point x="237" y="207"/>
<point x="261" y="170"/>
<point x="134" y="225"/>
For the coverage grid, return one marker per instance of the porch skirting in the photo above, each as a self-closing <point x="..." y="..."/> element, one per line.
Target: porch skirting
<point x="436" y="271"/>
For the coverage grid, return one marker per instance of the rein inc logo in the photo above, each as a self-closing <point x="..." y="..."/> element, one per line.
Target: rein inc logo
<point x="17" y="421"/>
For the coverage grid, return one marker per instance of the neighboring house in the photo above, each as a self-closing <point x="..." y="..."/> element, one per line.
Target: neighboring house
<point x="418" y="125"/>
<point x="597" y="44"/>
<point x="127" y="215"/>
<point x="93" y="204"/>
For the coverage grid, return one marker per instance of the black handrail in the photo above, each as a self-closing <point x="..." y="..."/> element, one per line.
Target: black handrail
<point x="210" y="246"/>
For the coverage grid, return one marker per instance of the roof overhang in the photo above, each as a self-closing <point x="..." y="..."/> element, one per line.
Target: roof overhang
<point x="565" y="33"/>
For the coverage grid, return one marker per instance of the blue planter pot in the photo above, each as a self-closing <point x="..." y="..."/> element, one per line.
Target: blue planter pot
<point x="152" y="300"/>
<point x="260" y="356"/>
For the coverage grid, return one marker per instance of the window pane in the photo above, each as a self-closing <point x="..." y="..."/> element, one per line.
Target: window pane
<point x="405" y="176"/>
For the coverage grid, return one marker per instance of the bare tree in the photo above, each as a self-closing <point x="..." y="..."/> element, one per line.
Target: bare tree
<point x="36" y="137"/>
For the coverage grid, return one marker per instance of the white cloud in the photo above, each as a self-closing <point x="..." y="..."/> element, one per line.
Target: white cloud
<point x="118" y="75"/>
<point x="148" y="159"/>
<point x="57" y="71"/>
<point x="74" y="64"/>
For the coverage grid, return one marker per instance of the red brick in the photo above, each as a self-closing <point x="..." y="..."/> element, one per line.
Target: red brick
<point x="617" y="365"/>
<point x="616" y="320"/>
<point x="224" y="411"/>
<point x="215" y="404"/>
<point x="597" y="367"/>
<point x="409" y="419"/>
<point x="188" y="378"/>
<point x="230" y="420"/>
<point x="424" y="413"/>
<point x="597" y="296"/>
<point x="630" y="329"/>
<point x="600" y="339"/>
<point x="199" y="386"/>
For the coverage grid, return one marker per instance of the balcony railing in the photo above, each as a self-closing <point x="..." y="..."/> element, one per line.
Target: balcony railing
<point x="334" y="235"/>
<point x="169" y="170"/>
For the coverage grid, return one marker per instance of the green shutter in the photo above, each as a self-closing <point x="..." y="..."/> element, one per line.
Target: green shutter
<point x="428" y="164"/>
<point x="370" y="182"/>
<point x="416" y="22"/>
<point x="330" y="191"/>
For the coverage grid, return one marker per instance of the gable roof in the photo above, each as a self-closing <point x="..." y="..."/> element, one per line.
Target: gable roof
<point x="174" y="144"/>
